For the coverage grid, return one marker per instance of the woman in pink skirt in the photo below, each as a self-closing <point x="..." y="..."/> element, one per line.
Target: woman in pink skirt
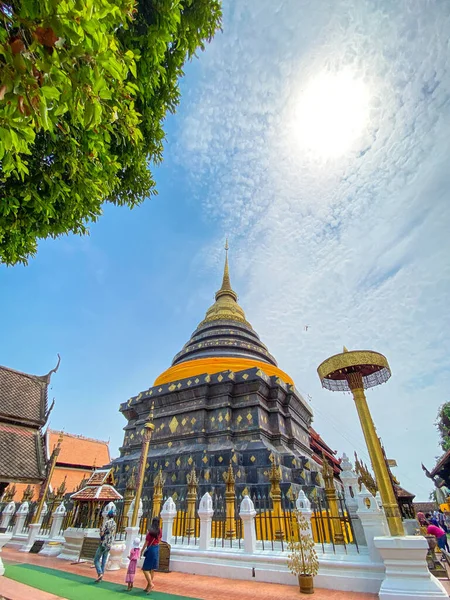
<point x="133" y="558"/>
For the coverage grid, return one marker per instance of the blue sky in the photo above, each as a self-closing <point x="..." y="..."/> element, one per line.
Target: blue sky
<point x="315" y="135"/>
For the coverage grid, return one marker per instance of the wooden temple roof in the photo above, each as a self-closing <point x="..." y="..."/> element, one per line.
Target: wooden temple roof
<point x="23" y="413"/>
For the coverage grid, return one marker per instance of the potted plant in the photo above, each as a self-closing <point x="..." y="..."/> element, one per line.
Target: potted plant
<point x="302" y="560"/>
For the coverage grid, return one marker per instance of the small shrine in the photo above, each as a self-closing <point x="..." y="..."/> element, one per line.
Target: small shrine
<point x="92" y="497"/>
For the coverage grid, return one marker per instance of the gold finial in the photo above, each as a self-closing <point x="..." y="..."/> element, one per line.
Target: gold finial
<point x="226" y="288"/>
<point x="345" y="349"/>
<point x="226" y="306"/>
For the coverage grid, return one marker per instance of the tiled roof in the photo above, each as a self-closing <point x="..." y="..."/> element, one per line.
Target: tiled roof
<point x="425" y="506"/>
<point x="105" y="493"/>
<point x="21" y="454"/>
<point x="402" y="493"/>
<point x="79" y="451"/>
<point x="99" y="477"/>
<point x="23" y="397"/>
<point x="73" y="478"/>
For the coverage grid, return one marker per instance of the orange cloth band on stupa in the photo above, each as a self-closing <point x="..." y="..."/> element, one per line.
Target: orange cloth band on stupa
<point x="210" y="366"/>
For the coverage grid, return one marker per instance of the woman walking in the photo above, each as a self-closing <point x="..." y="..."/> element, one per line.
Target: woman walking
<point x="151" y="553"/>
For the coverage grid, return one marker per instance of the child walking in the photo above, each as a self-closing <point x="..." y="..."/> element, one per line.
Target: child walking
<point x="133" y="558"/>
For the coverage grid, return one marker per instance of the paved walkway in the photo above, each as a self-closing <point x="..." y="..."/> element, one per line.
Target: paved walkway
<point x="196" y="586"/>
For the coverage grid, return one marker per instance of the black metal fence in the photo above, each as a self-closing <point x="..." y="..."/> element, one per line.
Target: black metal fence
<point x="186" y="526"/>
<point x="226" y="525"/>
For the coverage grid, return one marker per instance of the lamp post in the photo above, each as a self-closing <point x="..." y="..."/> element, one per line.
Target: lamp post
<point x="355" y="371"/>
<point x="148" y="430"/>
<point x="43" y="496"/>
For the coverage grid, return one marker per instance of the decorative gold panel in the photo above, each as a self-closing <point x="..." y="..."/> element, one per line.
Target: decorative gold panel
<point x="220" y="459"/>
<point x="220" y="378"/>
<point x="173" y="424"/>
<point x="172" y="387"/>
<point x="239" y="419"/>
<point x="178" y="461"/>
<point x="220" y="418"/>
<point x="205" y="459"/>
<point x="184" y="421"/>
<point x="174" y="477"/>
<point x="190" y="460"/>
<point x="252" y="458"/>
<point x="169" y="444"/>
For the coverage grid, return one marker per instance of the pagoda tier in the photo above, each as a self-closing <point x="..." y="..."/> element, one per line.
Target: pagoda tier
<point x="209" y="420"/>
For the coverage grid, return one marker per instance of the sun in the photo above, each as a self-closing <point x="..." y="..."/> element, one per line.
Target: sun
<point x="330" y="114"/>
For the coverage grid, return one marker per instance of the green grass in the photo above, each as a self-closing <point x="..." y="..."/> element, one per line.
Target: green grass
<point x="75" y="587"/>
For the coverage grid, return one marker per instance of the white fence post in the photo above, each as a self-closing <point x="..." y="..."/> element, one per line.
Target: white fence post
<point x="247" y="514"/>
<point x="168" y="514"/>
<point x="33" y="530"/>
<point x="7" y="514"/>
<point x="54" y="545"/>
<point x="205" y="513"/>
<point x="351" y="490"/>
<point x="58" y="516"/>
<point x="303" y="505"/>
<point x="21" y="515"/>
<point x="131" y="533"/>
<point x="372" y="519"/>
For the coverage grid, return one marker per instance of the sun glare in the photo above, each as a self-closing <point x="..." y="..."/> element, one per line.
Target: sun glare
<point x="330" y="114"/>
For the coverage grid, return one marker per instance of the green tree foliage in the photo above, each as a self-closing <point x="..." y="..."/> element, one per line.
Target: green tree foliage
<point x="85" y="86"/>
<point x="443" y="426"/>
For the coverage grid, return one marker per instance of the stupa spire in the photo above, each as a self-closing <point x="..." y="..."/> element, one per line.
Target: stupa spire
<point x="226" y="289"/>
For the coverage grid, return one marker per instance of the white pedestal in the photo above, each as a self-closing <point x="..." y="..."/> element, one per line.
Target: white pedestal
<point x="407" y="575"/>
<point x="115" y="556"/>
<point x="4" y="538"/>
<point x="74" y="540"/>
<point x="52" y="548"/>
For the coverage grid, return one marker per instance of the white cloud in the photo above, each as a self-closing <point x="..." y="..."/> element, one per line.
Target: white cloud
<point x="355" y="247"/>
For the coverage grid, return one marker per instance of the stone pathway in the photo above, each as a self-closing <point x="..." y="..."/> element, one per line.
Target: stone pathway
<point x="196" y="586"/>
